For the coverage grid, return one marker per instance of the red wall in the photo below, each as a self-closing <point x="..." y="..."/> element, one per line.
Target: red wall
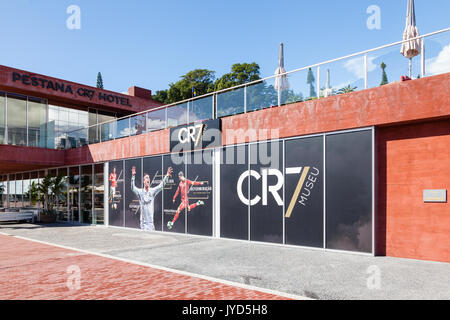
<point x="18" y="158"/>
<point x="136" y="146"/>
<point x="410" y="159"/>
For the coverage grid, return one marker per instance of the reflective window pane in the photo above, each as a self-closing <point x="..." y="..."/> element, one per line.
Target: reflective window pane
<point x="177" y="115"/>
<point x="37" y="119"/>
<point x="137" y="124"/>
<point x="200" y="109"/>
<point x="86" y="194"/>
<point x="123" y="128"/>
<point x="2" y="117"/>
<point x="98" y="214"/>
<point x="156" y="120"/>
<point x="230" y="102"/>
<point x="17" y="122"/>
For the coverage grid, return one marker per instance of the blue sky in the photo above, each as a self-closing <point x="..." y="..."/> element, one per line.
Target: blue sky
<point x="151" y="43"/>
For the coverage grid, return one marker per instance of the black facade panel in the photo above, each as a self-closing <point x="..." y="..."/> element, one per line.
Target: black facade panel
<point x="233" y="213"/>
<point x="266" y="215"/>
<point x="349" y="191"/>
<point x="304" y="192"/>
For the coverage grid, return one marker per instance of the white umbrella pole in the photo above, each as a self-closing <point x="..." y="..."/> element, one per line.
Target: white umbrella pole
<point x="279" y="96"/>
<point x="410" y="68"/>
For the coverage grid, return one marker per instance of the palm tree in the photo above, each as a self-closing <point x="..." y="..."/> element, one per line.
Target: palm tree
<point x="48" y="192"/>
<point x="346" y="89"/>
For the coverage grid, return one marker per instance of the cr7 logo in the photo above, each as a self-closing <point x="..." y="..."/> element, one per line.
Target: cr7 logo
<point x="191" y="134"/>
<point x="302" y="190"/>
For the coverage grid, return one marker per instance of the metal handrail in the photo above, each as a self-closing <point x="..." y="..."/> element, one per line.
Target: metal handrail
<point x="266" y="78"/>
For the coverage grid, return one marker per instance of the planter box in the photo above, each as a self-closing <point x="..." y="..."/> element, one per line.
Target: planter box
<point x="44" y="218"/>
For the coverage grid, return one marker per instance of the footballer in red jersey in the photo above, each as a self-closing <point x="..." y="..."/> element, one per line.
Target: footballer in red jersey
<point x="183" y="188"/>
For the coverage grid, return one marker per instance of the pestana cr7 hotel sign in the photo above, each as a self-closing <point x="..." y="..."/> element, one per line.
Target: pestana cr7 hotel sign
<point x="55" y="86"/>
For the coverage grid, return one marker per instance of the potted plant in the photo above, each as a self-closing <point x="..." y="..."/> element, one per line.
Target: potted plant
<point x="48" y="192"/>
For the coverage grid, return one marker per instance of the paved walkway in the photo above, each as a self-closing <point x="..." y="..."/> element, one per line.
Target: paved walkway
<point x="31" y="270"/>
<point x="291" y="270"/>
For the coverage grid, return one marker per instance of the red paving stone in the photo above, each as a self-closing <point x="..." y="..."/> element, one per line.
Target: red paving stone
<point x="31" y="270"/>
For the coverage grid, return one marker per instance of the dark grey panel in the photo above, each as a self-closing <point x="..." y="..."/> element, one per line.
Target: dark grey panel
<point x="304" y="220"/>
<point x="233" y="213"/>
<point x="349" y="191"/>
<point x="266" y="216"/>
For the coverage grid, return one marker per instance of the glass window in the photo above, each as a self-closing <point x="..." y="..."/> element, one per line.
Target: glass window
<point x="86" y="194"/>
<point x="137" y="124"/>
<point x="53" y="113"/>
<point x="93" y="128"/>
<point x="200" y="109"/>
<point x="37" y="118"/>
<point x="177" y="115"/>
<point x="123" y="128"/>
<point x="63" y="115"/>
<point x="61" y="208"/>
<point x="26" y="189"/>
<point x="2" y="117"/>
<point x="3" y="191"/>
<point x="156" y="120"/>
<point x="34" y="179"/>
<point x="12" y="191"/>
<point x="107" y="131"/>
<point x="74" y="188"/>
<point x="99" y="187"/>
<point x="19" y="191"/>
<point x="230" y="102"/>
<point x="17" y="122"/>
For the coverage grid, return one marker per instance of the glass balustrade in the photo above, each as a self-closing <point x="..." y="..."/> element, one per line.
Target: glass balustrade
<point x="365" y="70"/>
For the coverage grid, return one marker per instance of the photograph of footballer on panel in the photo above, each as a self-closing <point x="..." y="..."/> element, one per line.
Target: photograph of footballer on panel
<point x="200" y="194"/>
<point x="142" y="205"/>
<point x="183" y="198"/>
<point x="115" y="179"/>
<point x="132" y="205"/>
<point x="152" y="166"/>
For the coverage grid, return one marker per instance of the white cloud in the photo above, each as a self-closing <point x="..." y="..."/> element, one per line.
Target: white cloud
<point x="440" y="64"/>
<point x="356" y="66"/>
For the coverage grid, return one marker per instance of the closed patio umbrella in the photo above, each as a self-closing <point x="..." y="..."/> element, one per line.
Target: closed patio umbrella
<point x="410" y="49"/>
<point x="281" y="81"/>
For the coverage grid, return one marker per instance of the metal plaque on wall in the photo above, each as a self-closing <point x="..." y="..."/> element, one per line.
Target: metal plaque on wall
<point x="436" y="195"/>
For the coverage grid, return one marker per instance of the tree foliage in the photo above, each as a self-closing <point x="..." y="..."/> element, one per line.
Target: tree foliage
<point x="99" y="81"/>
<point x="161" y="96"/>
<point x="204" y="81"/>
<point x="384" y="78"/>
<point x="240" y="73"/>
<point x="310" y="80"/>
<point x="201" y="79"/>
<point x="346" y="89"/>
<point x="48" y="192"/>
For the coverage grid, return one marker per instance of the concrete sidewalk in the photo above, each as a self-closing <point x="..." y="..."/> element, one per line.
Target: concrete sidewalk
<point x="311" y="273"/>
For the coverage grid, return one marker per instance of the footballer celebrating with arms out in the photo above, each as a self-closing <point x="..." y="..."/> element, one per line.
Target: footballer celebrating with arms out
<point x="147" y="196"/>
